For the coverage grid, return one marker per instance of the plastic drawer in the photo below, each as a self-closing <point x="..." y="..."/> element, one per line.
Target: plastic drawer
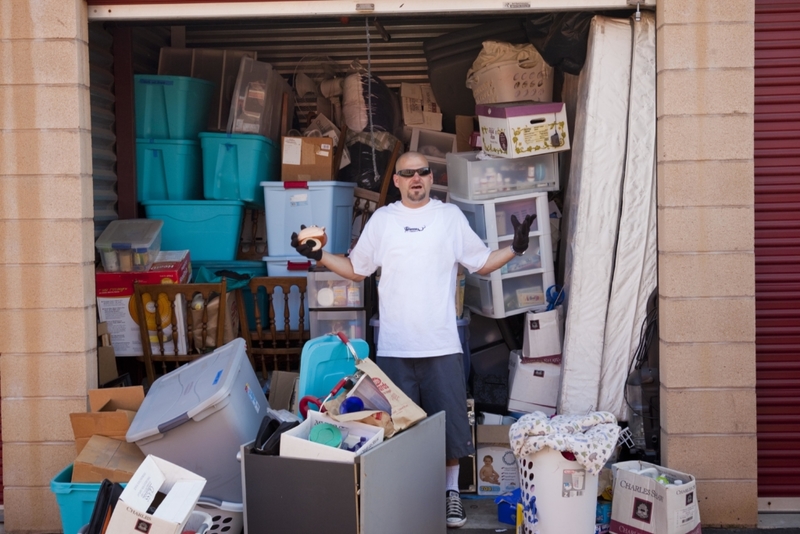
<point x="473" y="179"/>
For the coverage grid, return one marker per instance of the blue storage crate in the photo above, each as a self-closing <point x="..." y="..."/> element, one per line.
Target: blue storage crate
<point x="168" y="169"/>
<point x="210" y="229"/>
<point x="235" y="164"/>
<point x="251" y="268"/>
<point x="171" y="107"/>
<point x="290" y="204"/>
<point x="75" y="500"/>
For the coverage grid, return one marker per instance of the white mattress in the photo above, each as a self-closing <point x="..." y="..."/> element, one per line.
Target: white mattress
<point x="635" y="274"/>
<point x="591" y="209"/>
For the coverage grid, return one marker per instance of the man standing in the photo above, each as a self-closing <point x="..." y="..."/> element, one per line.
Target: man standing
<point x="418" y="243"/>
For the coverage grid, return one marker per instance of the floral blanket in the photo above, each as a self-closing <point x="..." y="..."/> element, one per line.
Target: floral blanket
<point x="591" y="437"/>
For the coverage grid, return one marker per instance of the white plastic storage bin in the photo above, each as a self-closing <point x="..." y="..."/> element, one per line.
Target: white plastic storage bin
<point x="291" y="204"/>
<point x="327" y="289"/>
<point x="481" y="179"/>
<point x="352" y="322"/>
<point x="198" y="415"/>
<point x="491" y="219"/>
<point x="499" y="296"/>
<point x="289" y="266"/>
<point x="129" y="245"/>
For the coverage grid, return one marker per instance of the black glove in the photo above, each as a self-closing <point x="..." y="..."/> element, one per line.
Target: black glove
<point x="305" y="248"/>
<point x="521" y="231"/>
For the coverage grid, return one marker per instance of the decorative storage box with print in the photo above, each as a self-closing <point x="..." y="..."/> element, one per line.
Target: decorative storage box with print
<point x="533" y="383"/>
<point x="115" y="303"/>
<point x="520" y="129"/>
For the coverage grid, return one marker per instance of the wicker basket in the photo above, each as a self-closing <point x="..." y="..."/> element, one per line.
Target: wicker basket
<point x="512" y="82"/>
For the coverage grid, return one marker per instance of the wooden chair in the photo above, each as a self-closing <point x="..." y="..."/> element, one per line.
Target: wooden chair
<point x="366" y="201"/>
<point x="184" y="308"/>
<point x="273" y="337"/>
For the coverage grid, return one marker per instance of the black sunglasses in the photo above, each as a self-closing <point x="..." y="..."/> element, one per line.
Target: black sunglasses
<point x="408" y="173"/>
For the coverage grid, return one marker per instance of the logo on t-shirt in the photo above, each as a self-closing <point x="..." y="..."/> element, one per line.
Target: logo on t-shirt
<point x="410" y="229"/>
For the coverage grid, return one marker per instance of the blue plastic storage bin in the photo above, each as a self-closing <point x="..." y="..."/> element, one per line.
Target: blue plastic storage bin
<point x="210" y="229"/>
<point x="75" y="500"/>
<point x="290" y="266"/>
<point x="235" y="164"/>
<point x="168" y="169"/>
<point x="290" y="204"/>
<point x="251" y="268"/>
<point x="171" y="107"/>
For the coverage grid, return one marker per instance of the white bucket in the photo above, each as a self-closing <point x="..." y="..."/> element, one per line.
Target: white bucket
<point x="566" y="495"/>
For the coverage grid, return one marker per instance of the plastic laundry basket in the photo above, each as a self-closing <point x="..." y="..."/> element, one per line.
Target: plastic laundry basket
<point x="566" y="495"/>
<point x="225" y="516"/>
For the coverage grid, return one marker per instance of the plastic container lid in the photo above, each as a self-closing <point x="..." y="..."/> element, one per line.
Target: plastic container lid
<point x="325" y="434"/>
<point x="130" y="234"/>
<point x="195" y="390"/>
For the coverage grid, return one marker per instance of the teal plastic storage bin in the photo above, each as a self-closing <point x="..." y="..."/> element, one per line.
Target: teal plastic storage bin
<point x="290" y="204"/>
<point x="251" y="268"/>
<point x="168" y="169"/>
<point x="210" y="229"/>
<point x="235" y="164"/>
<point x="171" y="107"/>
<point x="75" y="500"/>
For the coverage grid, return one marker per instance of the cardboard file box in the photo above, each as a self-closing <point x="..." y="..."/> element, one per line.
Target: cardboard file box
<point x="520" y="129"/>
<point x="394" y="488"/>
<point x="181" y="489"/>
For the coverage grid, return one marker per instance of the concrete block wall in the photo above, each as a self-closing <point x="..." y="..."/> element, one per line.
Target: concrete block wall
<point x="705" y="80"/>
<point x="48" y="340"/>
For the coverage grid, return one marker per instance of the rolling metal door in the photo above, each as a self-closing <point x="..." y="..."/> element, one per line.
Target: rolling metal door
<point x="777" y="245"/>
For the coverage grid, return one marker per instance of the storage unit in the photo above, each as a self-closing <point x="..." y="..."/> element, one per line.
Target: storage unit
<point x="235" y="164"/>
<point x="198" y="415"/>
<point x="292" y="204"/>
<point x="491" y="218"/>
<point x="168" y="169"/>
<point x="210" y="229"/>
<point x="481" y="179"/>
<point x="170" y="107"/>
<point x="336" y="304"/>
<point x="499" y="295"/>
<point x="130" y="245"/>
<point x="382" y="493"/>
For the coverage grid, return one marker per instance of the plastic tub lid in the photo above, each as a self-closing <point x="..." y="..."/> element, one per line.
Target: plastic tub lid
<point x="200" y="203"/>
<point x="237" y="136"/>
<point x="194" y="390"/>
<point x="130" y="233"/>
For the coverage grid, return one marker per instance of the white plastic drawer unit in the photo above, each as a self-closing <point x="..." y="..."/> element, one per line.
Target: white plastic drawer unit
<point x="352" y="322"/>
<point x="491" y="219"/>
<point x="329" y="290"/>
<point x="499" y="296"/>
<point x="475" y="179"/>
<point x="538" y="257"/>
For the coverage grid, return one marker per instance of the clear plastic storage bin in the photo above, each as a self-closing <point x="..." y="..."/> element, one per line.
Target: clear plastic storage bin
<point x="499" y="296"/>
<point x="431" y="143"/>
<point x="168" y="169"/>
<point x="352" y="322"/>
<point x="327" y="289"/>
<point x="471" y="178"/>
<point x="129" y="245"/>
<point x="535" y="258"/>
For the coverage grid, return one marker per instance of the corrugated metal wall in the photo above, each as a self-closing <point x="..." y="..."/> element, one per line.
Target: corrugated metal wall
<point x="777" y="245"/>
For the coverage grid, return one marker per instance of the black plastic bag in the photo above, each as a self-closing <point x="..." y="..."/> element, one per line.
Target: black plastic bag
<point x="561" y="38"/>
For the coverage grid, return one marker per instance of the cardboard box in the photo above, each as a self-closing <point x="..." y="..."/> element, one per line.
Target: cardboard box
<point x="295" y="442"/>
<point x="325" y="127"/>
<point x="520" y="129"/>
<point x="282" y="389"/>
<point x="420" y="109"/>
<point x="533" y="383"/>
<point x="497" y="465"/>
<point x="394" y="488"/>
<point x="466" y="125"/>
<point x="109" y="458"/>
<point x="307" y="159"/>
<point x="181" y="489"/>
<point x="641" y="504"/>
<point x="114" y="299"/>
<point x="111" y="411"/>
<point x="106" y="359"/>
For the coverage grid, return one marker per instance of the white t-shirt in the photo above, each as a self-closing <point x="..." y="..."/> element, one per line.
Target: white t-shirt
<point x="418" y="251"/>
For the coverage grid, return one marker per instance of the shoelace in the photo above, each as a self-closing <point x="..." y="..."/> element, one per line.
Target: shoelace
<point x="454" y="506"/>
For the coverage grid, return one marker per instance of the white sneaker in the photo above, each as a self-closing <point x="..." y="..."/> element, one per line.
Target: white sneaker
<point x="456" y="517"/>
